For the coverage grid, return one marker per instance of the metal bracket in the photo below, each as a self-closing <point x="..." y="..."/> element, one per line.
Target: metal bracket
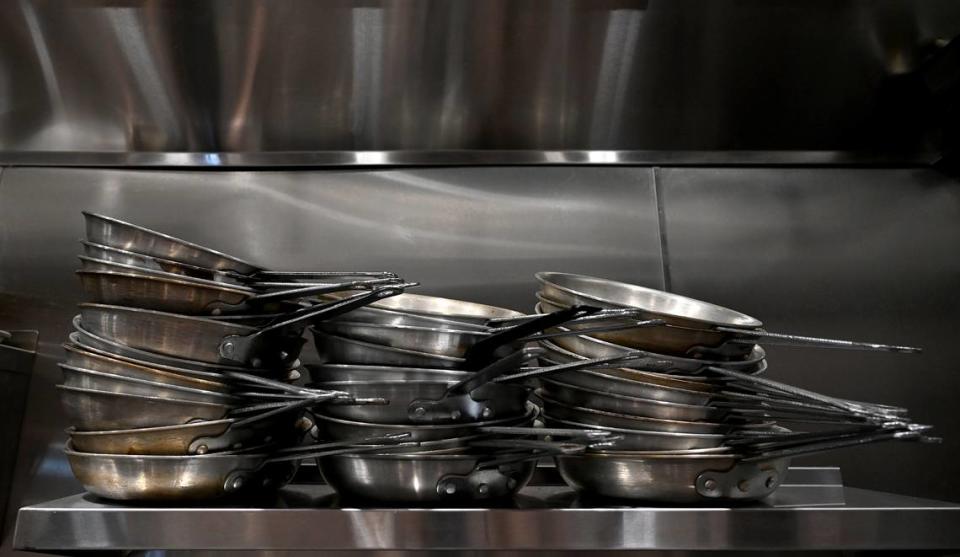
<point x="745" y="480"/>
<point x="480" y="484"/>
<point x="449" y="409"/>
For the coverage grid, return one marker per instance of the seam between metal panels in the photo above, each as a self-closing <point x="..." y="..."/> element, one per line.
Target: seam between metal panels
<point x="662" y="231"/>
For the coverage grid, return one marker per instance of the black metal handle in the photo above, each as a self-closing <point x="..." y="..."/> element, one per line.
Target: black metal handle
<point x="479" y="354"/>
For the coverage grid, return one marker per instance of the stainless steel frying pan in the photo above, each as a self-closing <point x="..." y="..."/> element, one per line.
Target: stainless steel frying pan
<point x="443" y="308"/>
<point x="118" y="284"/>
<point x="203" y="437"/>
<point x="592" y="417"/>
<point x="338" y="429"/>
<point x="691" y="320"/>
<point x="198" y="477"/>
<point x="213" y="341"/>
<point x="693" y="478"/>
<point x="115" y="233"/>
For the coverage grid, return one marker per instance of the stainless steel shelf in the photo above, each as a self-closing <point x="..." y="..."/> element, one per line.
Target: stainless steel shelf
<point x="469" y="157"/>
<point x="811" y="512"/>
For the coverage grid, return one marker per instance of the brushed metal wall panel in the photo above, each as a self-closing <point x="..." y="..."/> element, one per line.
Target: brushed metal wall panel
<point x="251" y="75"/>
<point x="475" y="233"/>
<point x="861" y="254"/>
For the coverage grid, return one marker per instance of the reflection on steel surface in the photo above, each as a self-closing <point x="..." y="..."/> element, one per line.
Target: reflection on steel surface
<point x="238" y="76"/>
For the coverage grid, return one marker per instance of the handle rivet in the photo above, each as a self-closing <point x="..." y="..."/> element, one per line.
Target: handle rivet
<point x="771" y="481"/>
<point x="710" y="485"/>
<point x="511" y="483"/>
<point x="743" y="486"/>
<point x="455" y="415"/>
<point x="449" y="489"/>
<point x="483" y="489"/>
<point x="256" y="362"/>
<point x="227" y="349"/>
<point x="202" y="449"/>
<point x="420" y="411"/>
<point x="237" y="483"/>
<point x="487" y="412"/>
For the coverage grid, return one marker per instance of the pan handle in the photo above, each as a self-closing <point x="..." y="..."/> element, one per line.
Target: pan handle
<point x="457" y="400"/>
<point x="850" y="406"/>
<point x="479" y="354"/>
<point x="343" y="447"/>
<point x="244" y="349"/>
<point x="573" y="366"/>
<point x="783" y="339"/>
<point x="301" y="291"/>
<point x="294" y="276"/>
<point x="840" y="442"/>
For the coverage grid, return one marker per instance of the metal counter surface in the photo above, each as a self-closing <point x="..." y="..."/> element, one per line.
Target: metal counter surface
<point x="308" y="517"/>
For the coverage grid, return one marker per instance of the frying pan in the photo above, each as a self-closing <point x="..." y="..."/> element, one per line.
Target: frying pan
<point x="473" y="398"/>
<point x="338" y="429"/>
<point x="693" y="478"/>
<point x="118" y="284"/>
<point x="590" y="347"/>
<point x="555" y="354"/>
<point x="202" y="437"/>
<point x="89" y="409"/>
<point x="689" y="322"/>
<point x="414" y="478"/>
<point x="645" y="440"/>
<point x="590" y="417"/>
<point x="634" y="406"/>
<point x="213" y="341"/>
<point x="145" y="262"/>
<point x="115" y="233"/>
<point x="197" y="477"/>
<point x="477" y="348"/>
<point x="111" y="382"/>
<point x="104" y="347"/>
<point x="345" y="372"/>
<point x="444" y="308"/>
<point x="78" y="356"/>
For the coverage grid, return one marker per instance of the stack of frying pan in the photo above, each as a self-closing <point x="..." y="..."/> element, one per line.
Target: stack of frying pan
<point x="178" y="377"/>
<point x="694" y="418"/>
<point x="452" y="373"/>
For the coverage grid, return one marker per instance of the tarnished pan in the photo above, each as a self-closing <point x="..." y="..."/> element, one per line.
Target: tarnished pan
<point x="193" y="438"/>
<point x="176" y="478"/>
<point x="593" y="417"/>
<point x="423" y="478"/>
<point x="645" y="440"/>
<point x="589" y="347"/>
<point x="93" y="343"/>
<point x="433" y="306"/>
<point x="337" y="429"/>
<point x="176" y="294"/>
<point x="340" y="350"/>
<point x="671" y="478"/>
<point x="83" y="358"/>
<point x="634" y="406"/>
<point x="118" y="284"/>
<point x="498" y="400"/>
<point x="199" y="477"/>
<point x="123" y="235"/>
<point x="570" y="289"/>
<point x="113" y="383"/>
<point x="88" y="409"/>
<point x="347" y="372"/>
<point x="180" y="336"/>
